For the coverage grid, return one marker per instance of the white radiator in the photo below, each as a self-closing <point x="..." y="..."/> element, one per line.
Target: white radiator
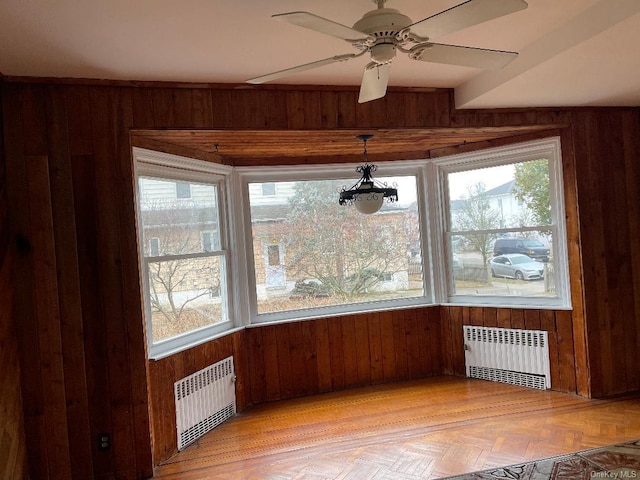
<point x="519" y="357"/>
<point x="204" y="400"/>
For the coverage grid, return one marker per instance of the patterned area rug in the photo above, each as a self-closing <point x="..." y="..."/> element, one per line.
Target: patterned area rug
<point x="619" y="462"/>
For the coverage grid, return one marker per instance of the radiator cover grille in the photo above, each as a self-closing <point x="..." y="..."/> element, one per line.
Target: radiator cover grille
<point x="518" y="357"/>
<point x="204" y="400"/>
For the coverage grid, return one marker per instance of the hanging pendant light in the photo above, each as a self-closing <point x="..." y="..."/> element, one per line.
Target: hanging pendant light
<point x="367" y="195"/>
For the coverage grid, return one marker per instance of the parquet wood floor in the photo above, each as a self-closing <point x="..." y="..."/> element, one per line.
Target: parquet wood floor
<point x="424" y="429"/>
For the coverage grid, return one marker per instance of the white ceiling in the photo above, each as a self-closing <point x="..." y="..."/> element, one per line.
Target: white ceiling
<point x="572" y="52"/>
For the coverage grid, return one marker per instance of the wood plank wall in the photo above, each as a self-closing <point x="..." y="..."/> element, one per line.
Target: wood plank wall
<point x="13" y="455"/>
<point x="607" y="150"/>
<point x="70" y="192"/>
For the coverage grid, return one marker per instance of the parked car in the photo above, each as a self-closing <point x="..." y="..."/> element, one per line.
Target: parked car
<point x="531" y="247"/>
<point x="310" y="287"/>
<point x="516" y="265"/>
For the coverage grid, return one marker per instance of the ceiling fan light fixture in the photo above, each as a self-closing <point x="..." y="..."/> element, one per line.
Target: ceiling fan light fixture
<point x="383" y="53"/>
<point x="367" y="194"/>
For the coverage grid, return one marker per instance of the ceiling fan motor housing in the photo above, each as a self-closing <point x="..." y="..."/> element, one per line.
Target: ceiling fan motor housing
<point x="383" y="24"/>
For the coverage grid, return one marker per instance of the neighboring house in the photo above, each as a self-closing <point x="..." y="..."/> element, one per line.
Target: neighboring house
<point x="502" y="200"/>
<point x="177" y="219"/>
<point x="272" y="250"/>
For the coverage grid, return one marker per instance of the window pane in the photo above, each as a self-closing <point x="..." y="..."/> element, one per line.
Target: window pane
<point x="183" y="190"/>
<point x="498" y="241"/>
<point x="513" y="273"/>
<point x="513" y="195"/>
<point x="309" y="251"/>
<point x="185" y="295"/>
<point x="178" y="225"/>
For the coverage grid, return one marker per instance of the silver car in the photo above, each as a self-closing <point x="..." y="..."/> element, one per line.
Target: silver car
<point x="516" y="265"/>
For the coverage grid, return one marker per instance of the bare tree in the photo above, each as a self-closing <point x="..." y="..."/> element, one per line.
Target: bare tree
<point x="349" y="253"/>
<point x="476" y="214"/>
<point x="177" y="281"/>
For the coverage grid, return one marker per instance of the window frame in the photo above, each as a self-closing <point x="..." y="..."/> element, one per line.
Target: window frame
<point x="548" y="148"/>
<point x="432" y="198"/>
<point x="175" y="168"/>
<point x="247" y="175"/>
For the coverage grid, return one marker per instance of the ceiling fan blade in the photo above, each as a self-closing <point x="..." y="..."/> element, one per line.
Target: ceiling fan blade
<point x="374" y="82"/>
<point x="301" y="68"/>
<point x="463" y="56"/>
<point x="320" y="24"/>
<point x="466" y="14"/>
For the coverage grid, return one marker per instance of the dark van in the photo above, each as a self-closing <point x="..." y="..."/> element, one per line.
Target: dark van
<point x="531" y="247"/>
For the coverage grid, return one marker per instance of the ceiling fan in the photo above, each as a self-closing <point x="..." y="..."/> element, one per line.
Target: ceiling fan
<point x="383" y="31"/>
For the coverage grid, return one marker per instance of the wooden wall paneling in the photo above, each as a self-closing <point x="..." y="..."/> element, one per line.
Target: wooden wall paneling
<point x="375" y="348"/>
<point x="503" y="318"/>
<point x="517" y="319"/>
<point x="346" y="103"/>
<point x="303" y="109"/>
<point x="372" y="114"/>
<point x="66" y="253"/>
<point x="457" y="340"/>
<point x="617" y="248"/>
<point x="336" y="353"/>
<point x="222" y="108"/>
<point x="400" y="345"/>
<point x="441" y="104"/>
<point x="296" y="358"/>
<point x="548" y="324"/>
<point x="142" y="105"/>
<point x="182" y="102"/>
<point x="413" y="345"/>
<point x="161" y="398"/>
<point x="349" y="350"/>
<point x="631" y="147"/>
<point x="389" y="369"/>
<point x="47" y="310"/>
<point x="397" y="108"/>
<point x="576" y="272"/>
<point x="323" y="355"/>
<point x="32" y="389"/>
<point x="202" y="108"/>
<point x="424" y="343"/>
<point x="578" y="379"/>
<point x="94" y="345"/>
<point x="361" y="326"/>
<point x="271" y="363"/>
<point x="329" y="114"/>
<point x="532" y="319"/>
<point x="42" y="328"/>
<point x="240" y="348"/>
<point x="133" y="321"/>
<point x="476" y="316"/>
<point x="584" y="130"/>
<point x="104" y="112"/>
<point x="285" y="368"/>
<point x="248" y="108"/>
<point x="257" y="380"/>
<point x="490" y="317"/>
<point x="570" y="368"/>
<point x="163" y="108"/>
<point x="310" y="381"/>
<point x="446" y="347"/>
<point x="13" y="454"/>
<point x="434" y="331"/>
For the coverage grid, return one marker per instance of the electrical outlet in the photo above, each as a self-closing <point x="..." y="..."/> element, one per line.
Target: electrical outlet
<point x="104" y="441"/>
